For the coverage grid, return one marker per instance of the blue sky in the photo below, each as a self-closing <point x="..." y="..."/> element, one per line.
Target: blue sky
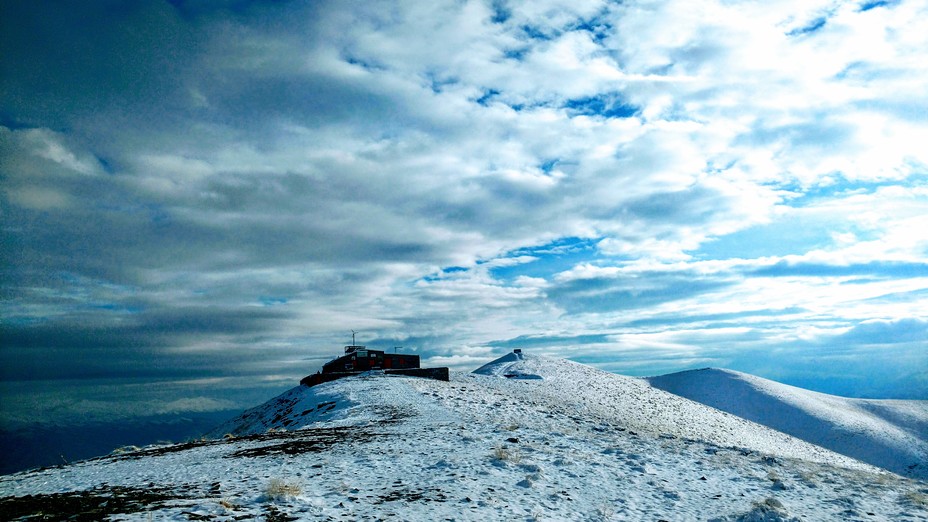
<point x="213" y="195"/>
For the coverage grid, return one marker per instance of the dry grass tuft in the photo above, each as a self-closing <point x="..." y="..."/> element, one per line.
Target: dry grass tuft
<point x="123" y="449"/>
<point x="916" y="498"/>
<point x="278" y="489"/>
<point x="605" y="511"/>
<point x="506" y="454"/>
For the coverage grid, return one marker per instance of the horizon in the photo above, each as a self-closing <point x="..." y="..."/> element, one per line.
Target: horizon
<point x="201" y="201"/>
<point x="53" y="442"/>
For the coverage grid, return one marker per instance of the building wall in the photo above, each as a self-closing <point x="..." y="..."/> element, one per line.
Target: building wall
<point x="364" y="360"/>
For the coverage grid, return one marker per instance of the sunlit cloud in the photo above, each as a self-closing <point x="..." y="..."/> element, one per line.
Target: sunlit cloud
<point x="229" y="191"/>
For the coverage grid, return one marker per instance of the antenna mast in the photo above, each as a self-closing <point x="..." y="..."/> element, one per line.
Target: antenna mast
<point x="352" y="338"/>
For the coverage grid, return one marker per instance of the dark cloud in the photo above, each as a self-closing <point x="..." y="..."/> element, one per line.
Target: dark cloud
<point x="876" y="361"/>
<point x="911" y="330"/>
<point x="541" y="341"/>
<point x="66" y="63"/>
<point x="880" y="269"/>
<point x="161" y="343"/>
<point x="641" y="291"/>
<point x="712" y="320"/>
<point x="693" y="205"/>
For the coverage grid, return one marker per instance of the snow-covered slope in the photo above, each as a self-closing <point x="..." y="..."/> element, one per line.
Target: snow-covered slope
<point x="633" y="403"/>
<point x="563" y="442"/>
<point x="889" y="434"/>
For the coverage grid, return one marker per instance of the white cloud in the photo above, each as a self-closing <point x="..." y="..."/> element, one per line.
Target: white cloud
<point x="336" y="161"/>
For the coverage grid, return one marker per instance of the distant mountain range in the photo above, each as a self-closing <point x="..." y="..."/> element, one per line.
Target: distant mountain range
<point x="891" y="434"/>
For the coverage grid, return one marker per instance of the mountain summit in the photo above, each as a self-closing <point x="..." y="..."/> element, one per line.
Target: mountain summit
<point x="523" y="438"/>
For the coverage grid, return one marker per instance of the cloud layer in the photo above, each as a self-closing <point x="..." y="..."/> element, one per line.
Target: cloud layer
<point x="194" y="190"/>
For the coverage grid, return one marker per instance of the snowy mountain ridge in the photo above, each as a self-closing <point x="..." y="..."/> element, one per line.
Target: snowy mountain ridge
<point x="890" y="434"/>
<point x="622" y="400"/>
<point x="555" y="440"/>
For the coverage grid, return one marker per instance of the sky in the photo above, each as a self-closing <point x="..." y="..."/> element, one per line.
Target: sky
<point x="201" y="200"/>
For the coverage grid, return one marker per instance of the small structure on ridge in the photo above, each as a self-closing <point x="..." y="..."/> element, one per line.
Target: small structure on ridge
<point x="358" y="359"/>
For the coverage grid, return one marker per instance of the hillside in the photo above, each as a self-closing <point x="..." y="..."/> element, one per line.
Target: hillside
<point x="889" y="434"/>
<point x="557" y="441"/>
